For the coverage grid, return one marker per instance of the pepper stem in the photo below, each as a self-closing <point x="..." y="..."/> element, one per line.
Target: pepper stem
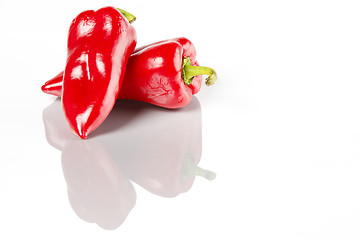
<point x="191" y="169"/>
<point x="131" y="18"/>
<point x="198" y="171"/>
<point x="189" y="72"/>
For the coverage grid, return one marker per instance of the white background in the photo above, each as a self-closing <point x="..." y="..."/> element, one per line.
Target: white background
<point x="281" y="127"/>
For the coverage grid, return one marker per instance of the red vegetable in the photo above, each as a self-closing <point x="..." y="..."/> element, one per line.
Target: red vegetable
<point x="99" y="45"/>
<point x="165" y="74"/>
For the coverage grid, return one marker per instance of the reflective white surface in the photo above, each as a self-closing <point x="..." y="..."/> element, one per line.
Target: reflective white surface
<point x="280" y="128"/>
<point x="159" y="150"/>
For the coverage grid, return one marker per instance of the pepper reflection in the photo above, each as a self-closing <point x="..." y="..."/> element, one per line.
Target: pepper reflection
<point x="156" y="148"/>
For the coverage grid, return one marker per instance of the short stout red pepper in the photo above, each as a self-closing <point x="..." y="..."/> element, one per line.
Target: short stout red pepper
<point x="99" y="46"/>
<point x="164" y="73"/>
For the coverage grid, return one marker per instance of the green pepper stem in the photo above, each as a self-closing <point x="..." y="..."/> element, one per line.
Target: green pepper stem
<point x="131" y="18"/>
<point x="191" y="169"/>
<point x="198" y="171"/>
<point x="189" y="72"/>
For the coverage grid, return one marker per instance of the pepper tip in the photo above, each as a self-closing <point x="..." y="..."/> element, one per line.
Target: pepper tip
<point x="44" y="88"/>
<point x="81" y="133"/>
<point x="83" y="137"/>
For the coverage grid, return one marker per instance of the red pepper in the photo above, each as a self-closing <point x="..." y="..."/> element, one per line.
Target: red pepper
<point x="165" y="74"/>
<point x="99" y="45"/>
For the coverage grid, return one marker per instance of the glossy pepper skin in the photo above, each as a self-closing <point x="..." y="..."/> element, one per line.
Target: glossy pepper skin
<point x="99" y="46"/>
<point x="155" y="74"/>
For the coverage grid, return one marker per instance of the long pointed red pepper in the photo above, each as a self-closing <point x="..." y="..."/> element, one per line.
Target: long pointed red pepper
<point x="99" y="45"/>
<point x="164" y="73"/>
